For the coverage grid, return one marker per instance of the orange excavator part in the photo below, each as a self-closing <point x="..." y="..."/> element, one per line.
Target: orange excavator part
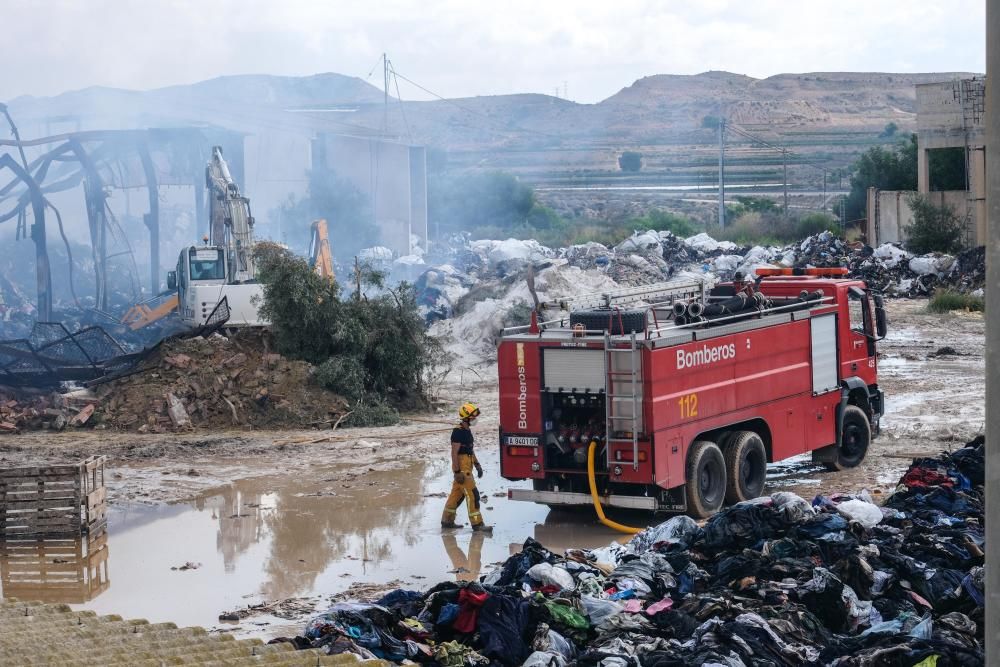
<point x="320" y="255"/>
<point x="141" y="315"/>
<point x="826" y="272"/>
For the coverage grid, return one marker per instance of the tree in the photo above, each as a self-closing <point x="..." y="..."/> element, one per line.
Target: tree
<point x="896" y="169"/>
<point x="934" y="228"/>
<point x="346" y="337"/>
<point x="630" y="161"/>
<point x="889" y="131"/>
<point x="465" y="201"/>
<point x="947" y="168"/>
<point x="882" y="168"/>
<point x="347" y="210"/>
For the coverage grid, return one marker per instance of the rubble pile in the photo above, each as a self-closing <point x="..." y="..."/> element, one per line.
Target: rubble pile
<point x="217" y="382"/>
<point x="213" y="382"/>
<point x="45" y="411"/>
<point x="775" y="581"/>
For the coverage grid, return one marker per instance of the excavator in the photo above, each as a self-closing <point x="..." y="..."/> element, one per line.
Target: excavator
<point x="320" y="259"/>
<point x="223" y="267"/>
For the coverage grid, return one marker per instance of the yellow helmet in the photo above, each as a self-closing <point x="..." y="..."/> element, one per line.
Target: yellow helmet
<point x="468" y="411"/>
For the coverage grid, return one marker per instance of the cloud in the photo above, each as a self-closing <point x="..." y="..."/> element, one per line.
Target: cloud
<point x="462" y="48"/>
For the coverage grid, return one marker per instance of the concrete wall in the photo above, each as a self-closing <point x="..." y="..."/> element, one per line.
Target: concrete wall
<point x="950" y="115"/>
<point x="890" y="214"/>
<point x="392" y="175"/>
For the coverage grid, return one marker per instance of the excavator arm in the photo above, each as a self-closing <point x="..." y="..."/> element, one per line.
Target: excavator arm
<point x="141" y="314"/>
<point x="230" y="219"/>
<point x="320" y="257"/>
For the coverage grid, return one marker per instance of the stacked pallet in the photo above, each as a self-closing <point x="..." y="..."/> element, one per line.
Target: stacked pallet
<point x="53" y="501"/>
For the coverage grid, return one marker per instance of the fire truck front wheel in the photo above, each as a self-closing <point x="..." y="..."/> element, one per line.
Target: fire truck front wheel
<point x="706" y="479"/>
<point x="746" y="467"/>
<point x="855" y="437"/>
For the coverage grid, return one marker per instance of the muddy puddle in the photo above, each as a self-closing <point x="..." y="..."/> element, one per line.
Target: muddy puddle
<point x="265" y="539"/>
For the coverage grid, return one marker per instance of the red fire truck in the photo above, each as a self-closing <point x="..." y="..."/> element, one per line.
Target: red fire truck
<point x="689" y="395"/>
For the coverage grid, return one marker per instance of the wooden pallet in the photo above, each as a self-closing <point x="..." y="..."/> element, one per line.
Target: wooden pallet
<point x="54" y="569"/>
<point x="54" y="501"/>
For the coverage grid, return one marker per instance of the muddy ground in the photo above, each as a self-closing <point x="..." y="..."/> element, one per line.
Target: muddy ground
<point x="305" y="515"/>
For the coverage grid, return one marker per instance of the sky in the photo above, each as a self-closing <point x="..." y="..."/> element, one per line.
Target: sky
<point x="457" y="48"/>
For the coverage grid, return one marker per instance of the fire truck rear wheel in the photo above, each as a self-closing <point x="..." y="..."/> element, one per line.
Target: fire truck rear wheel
<point x="855" y="437"/>
<point x="706" y="479"/>
<point x="746" y="466"/>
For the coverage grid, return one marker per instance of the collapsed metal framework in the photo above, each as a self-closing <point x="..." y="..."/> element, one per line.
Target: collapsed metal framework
<point x="101" y="160"/>
<point x="52" y="354"/>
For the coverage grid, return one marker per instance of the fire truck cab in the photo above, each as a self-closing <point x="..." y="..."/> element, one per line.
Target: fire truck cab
<point x="688" y="392"/>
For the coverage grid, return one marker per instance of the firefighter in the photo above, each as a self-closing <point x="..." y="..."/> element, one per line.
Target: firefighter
<point x="463" y="460"/>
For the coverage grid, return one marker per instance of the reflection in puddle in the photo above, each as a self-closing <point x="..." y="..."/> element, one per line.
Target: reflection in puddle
<point x="271" y="538"/>
<point x="70" y="570"/>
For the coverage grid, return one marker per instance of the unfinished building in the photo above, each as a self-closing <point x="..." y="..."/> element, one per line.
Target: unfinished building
<point x="949" y="116"/>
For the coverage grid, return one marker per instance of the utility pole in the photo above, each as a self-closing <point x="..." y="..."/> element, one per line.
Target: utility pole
<point x="992" y="591"/>
<point x="784" y="171"/>
<point x="385" y="95"/>
<point x="722" y="172"/>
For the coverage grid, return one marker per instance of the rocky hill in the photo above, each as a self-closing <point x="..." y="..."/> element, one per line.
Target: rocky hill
<point x="827" y="117"/>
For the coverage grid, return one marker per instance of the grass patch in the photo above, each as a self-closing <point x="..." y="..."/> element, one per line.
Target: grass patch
<point x="945" y="301"/>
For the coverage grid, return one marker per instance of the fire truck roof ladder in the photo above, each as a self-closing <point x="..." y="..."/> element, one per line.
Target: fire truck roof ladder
<point x="612" y="419"/>
<point x="657" y="292"/>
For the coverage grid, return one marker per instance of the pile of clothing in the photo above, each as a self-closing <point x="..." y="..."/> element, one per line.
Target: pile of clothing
<point x="775" y="581"/>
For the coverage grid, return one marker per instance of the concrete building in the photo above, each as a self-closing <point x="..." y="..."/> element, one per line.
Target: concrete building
<point x="949" y="115"/>
<point x="392" y="175"/>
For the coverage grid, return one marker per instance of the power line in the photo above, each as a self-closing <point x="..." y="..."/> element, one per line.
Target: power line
<point x="801" y="159"/>
<point x="475" y="112"/>
<point x="399" y="99"/>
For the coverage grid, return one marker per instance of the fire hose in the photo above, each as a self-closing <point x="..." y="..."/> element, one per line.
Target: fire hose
<point x="597" y="501"/>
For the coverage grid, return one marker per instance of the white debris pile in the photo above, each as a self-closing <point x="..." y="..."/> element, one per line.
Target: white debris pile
<point x="472" y="335"/>
<point x="469" y="290"/>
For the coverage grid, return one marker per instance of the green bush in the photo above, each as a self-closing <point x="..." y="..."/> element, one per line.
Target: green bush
<point x="816" y="223"/>
<point x="372" y="412"/>
<point x="945" y="301"/>
<point x="771" y="228"/>
<point x="934" y="228"/>
<point x="664" y="221"/>
<point x="362" y="345"/>
<point x="344" y="375"/>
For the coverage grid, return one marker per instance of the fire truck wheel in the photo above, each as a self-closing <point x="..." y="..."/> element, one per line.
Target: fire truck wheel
<point x="706" y="479"/>
<point x="746" y="466"/>
<point x="855" y="436"/>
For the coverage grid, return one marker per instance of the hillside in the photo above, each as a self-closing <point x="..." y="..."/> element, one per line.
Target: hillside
<point x="824" y="117"/>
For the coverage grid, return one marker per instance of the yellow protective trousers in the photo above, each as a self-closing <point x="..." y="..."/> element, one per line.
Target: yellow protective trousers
<point x="466" y="491"/>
